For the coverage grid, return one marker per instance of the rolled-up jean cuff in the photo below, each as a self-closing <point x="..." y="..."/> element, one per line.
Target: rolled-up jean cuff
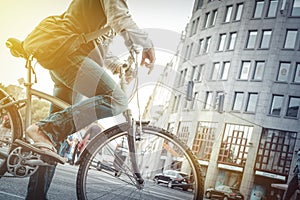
<point x="49" y="135"/>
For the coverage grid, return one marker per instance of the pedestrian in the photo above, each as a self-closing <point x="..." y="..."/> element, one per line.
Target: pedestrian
<point x="294" y="183"/>
<point x="90" y="133"/>
<point x="82" y="72"/>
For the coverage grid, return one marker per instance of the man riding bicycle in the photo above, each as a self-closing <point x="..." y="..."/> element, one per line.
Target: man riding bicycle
<point x="81" y="73"/>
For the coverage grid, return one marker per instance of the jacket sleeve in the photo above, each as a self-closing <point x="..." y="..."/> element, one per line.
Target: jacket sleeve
<point x="112" y="62"/>
<point x="120" y="20"/>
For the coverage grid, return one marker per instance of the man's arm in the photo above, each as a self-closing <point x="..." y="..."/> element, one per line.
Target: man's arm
<point x="119" y="18"/>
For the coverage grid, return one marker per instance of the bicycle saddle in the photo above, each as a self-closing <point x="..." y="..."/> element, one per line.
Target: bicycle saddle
<point x="16" y="48"/>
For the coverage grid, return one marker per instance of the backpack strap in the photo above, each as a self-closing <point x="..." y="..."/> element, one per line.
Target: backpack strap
<point x="95" y="34"/>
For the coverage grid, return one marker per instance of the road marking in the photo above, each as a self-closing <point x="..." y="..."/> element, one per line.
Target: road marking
<point x="12" y="195"/>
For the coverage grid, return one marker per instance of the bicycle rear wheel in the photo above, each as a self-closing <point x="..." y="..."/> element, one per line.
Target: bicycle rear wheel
<point x="106" y="172"/>
<point x="10" y="127"/>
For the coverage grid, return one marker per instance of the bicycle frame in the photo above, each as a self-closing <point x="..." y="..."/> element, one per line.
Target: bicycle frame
<point x="30" y="92"/>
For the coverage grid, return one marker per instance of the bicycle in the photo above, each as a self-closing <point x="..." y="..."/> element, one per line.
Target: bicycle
<point x="118" y="163"/>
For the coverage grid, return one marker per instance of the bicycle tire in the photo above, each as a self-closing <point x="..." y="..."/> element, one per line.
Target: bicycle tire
<point x="10" y="128"/>
<point x="100" y="181"/>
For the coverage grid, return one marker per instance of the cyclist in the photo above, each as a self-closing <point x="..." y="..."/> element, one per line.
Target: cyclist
<point x="82" y="73"/>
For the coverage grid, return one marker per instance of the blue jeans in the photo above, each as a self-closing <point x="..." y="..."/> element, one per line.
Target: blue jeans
<point x="80" y="74"/>
<point x="292" y="187"/>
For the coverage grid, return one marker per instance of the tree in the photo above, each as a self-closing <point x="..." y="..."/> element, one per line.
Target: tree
<point x="40" y="108"/>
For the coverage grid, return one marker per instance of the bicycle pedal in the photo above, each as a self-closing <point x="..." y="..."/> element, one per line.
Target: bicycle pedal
<point x="22" y="162"/>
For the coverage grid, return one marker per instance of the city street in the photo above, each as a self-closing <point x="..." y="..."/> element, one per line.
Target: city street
<point x="63" y="187"/>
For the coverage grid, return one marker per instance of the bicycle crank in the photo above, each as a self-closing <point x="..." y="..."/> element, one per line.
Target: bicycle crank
<point x="23" y="163"/>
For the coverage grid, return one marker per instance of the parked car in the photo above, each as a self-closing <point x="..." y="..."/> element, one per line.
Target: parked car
<point x="173" y="179"/>
<point x="224" y="192"/>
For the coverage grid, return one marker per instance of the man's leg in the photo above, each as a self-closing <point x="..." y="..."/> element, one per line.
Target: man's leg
<point x="39" y="182"/>
<point x="292" y="187"/>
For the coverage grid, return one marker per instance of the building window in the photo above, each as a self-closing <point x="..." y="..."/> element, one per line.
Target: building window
<point x="228" y="14"/>
<point x="220" y="72"/>
<point x="193" y="72"/>
<point x="190" y="51"/>
<point x="199" y="73"/>
<point x="180" y="77"/>
<point x="194" y="101"/>
<point x="219" y="101"/>
<point x="204" y="140"/>
<point x="232" y="39"/>
<point x="296" y="8"/>
<point x="183" y="131"/>
<point x="290" y="39"/>
<point x="258" y="70"/>
<point x="184" y="76"/>
<point x="177" y="102"/>
<point x="206" y="20"/>
<point x="259" y="7"/>
<point x="297" y="74"/>
<point x="239" y="11"/>
<point x="272" y="8"/>
<point x="213" y="17"/>
<point x="222" y="42"/>
<point x="251" y="39"/>
<point x="194" y="26"/>
<point x="174" y="104"/>
<point x="215" y="72"/>
<point x="201" y="46"/>
<point x="208" y="100"/>
<point x="199" y="4"/>
<point x="283" y="72"/>
<point x="238" y="101"/>
<point x="225" y="71"/>
<point x="276" y="105"/>
<point x="187" y="50"/>
<point x="276" y="151"/>
<point x="245" y="70"/>
<point x="251" y="102"/>
<point x="293" y="107"/>
<point x="234" y="147"/>
<point x="266" y="38"/>
<point x="207" y="44"/>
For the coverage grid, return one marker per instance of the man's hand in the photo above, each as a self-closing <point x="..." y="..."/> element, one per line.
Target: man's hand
<point x="148" y="59"/>
<point x="129" y="75"/>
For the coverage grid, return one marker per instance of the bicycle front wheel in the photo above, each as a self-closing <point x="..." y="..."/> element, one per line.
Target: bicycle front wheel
<point x="168" y="167"/>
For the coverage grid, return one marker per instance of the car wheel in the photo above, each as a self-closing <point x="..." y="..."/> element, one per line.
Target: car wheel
<point x="170" y="184"/>
<point x="156" y="181"/>
<point x="225" y="198"/>
<point x="208" y="195"/>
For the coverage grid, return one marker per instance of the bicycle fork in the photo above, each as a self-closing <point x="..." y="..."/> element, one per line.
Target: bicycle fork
<point x="132" y="147"/>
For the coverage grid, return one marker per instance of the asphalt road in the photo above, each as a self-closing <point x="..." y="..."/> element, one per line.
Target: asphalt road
<point x="63" y="186"/>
